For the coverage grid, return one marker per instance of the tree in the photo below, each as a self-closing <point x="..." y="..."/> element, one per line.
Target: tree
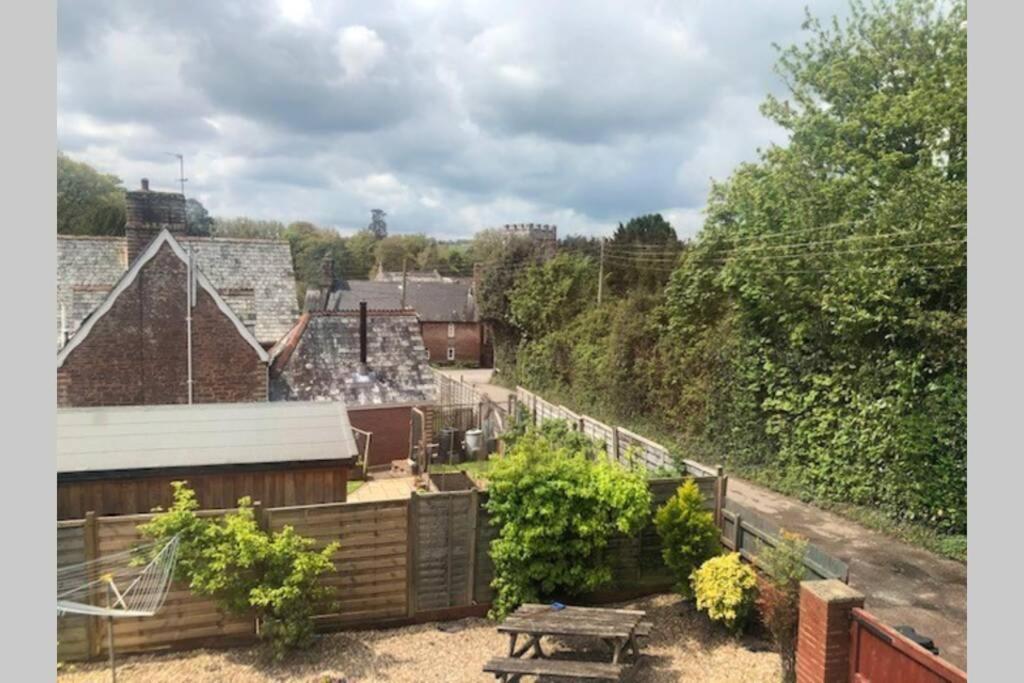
<point x="88" y="202"/>
<point x="545" y="295"/>
<point x="378" y="227"/>
<point x="197" y="218"/>
<point x="243" y="226"/>
<point x="641" y="254"/>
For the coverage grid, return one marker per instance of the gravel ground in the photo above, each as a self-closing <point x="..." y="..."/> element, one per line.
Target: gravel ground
<point x="683" y="646"/>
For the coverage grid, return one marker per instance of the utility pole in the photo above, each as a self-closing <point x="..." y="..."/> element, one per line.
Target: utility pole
<point x="405" y="261"/>
<point x="600" y="274"/>
<point x="181" y="170"/>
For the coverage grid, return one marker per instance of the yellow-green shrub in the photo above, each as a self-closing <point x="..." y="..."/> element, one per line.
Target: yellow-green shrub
<point x="726" y="589"/>
<point x="688" y="533"/>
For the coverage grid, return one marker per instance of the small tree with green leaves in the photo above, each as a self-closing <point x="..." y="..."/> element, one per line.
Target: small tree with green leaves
<point x="688" y="533"/>
<point x="556" y="506"/>
<point x="245" y="569"/>
<point x="779" y="595"/>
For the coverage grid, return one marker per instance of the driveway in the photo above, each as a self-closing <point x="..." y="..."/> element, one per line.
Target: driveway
<point x="480" y="379"/>
<point x="903" y="584"/>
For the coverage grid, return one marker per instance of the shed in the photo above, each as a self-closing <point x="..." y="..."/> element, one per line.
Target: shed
<point x="122" y="460"/>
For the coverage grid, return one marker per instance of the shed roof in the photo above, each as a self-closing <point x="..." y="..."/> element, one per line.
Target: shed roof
<point x="201" y="435"/>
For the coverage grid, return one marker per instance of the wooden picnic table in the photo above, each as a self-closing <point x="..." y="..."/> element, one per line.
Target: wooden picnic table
<point x="616" y="627"/>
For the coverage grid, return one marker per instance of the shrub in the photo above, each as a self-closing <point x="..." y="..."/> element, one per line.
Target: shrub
<point x="725" y="588"/>
<point x="779" y="596"/>
<point x="555" y="505"/>
<point x="246" y="569"/>
<point x="688" y="533"/>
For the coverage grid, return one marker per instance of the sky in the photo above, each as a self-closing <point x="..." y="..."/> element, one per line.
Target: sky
<point x="450" y="116"/>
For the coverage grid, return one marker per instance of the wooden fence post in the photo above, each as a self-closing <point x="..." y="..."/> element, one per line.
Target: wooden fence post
<point x="90" y="536"/>
<point x="410" y="553"/>
<point x="737" y="532"/>
<point x="719" y="493"/>
<point x="473" y="504"/>
<point x="615" y="443"/>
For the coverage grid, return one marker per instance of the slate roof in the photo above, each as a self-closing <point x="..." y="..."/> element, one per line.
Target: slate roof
<point x="254" y="276"/>
<point x="319" y="360"/>
<point x="451" y="301"/>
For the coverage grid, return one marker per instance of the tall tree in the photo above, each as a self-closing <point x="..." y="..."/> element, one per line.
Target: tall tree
<point x="88" y="202"/>
<point x="378" y="227"/>
<point x="641" y="254"/>
<point x="197" y="218"/>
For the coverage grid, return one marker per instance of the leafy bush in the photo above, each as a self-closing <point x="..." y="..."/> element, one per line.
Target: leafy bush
<point x="726" y="589"/>
<point x="556" y="502"/>
<point x="779" y="596"/>
<point x="688" y="533"/>
<point x="246" y="569"/>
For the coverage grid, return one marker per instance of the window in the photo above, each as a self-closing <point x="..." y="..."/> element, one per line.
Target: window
<point x="451" y="353"/>
<point x="451" y="330"/>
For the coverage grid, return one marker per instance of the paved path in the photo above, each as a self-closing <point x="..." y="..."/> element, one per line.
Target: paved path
<point x="390" y="488"/>
<point x="480" y="379"/>
<point x="903" y="584"/>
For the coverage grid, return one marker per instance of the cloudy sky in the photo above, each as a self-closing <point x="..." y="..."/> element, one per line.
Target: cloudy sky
<point x="449" y="116"/>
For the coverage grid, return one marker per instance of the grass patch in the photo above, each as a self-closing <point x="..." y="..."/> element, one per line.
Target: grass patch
<point x="353" y="485"/>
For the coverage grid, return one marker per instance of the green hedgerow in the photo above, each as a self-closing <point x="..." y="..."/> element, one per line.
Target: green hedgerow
<point x="688" y="533"/>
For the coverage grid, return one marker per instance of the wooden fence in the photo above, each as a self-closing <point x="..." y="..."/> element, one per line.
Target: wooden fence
<point x="880" y="653"/>
<point x="399" y="561"/>
<point x="620" y="443"/>
<point x="747" y="532"/>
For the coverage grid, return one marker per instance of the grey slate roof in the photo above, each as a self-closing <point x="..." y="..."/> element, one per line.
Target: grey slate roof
<point x="451" y="301"/>
<point x="201" y="435"/>
<point x="319" y="360"/>
<point x="255" y="277"/>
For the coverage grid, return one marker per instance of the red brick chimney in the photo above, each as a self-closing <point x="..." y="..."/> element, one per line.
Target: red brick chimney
<point x="150" y="212"/>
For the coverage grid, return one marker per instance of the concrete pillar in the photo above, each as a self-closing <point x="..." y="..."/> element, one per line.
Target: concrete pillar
<point x="823" y="643"/>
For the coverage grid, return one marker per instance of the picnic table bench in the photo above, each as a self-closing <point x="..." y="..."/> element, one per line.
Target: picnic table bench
<point x="618" y="628"/>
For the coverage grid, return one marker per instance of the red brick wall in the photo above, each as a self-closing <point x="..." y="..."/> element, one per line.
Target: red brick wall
<point x="467" y="341"/>
<point x="391" y="431"/>
<point x="823" y="641"/>
<point x="137" y="352"/>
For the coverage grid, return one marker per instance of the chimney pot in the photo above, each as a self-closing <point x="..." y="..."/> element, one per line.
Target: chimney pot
<point x="145" y="184"/>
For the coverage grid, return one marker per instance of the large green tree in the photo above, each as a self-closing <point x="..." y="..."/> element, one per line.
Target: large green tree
<point x="641" y="254"/>
<point x="88" y="202"/>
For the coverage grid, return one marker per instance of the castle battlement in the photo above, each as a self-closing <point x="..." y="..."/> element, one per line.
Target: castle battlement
<point x="540" y="231"/>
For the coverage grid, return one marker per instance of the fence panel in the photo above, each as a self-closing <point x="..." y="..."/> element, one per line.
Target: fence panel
<point x="371" y="566"/>
<point x="445" y="537"/>
<point x="748" y="533"/>
<point x="72" y="629"/>
<point x="880" y="653"/>
<point x="183" y="617"/>
<point x="483" y="566"/>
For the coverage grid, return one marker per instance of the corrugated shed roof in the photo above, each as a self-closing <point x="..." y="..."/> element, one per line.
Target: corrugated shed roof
<point x="450" y="301"/>
<point x="256" y="278"/>
<point x="321" y="361"/>
<point x="201" y="435"/>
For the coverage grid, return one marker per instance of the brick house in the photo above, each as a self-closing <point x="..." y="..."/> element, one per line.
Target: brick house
<point x="374" y="361"/>
<point x="446" y="309"/>
<point x="133" y="331"/>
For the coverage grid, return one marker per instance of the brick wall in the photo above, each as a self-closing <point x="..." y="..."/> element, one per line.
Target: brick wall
<point x="137" y="352"/>
<point x="147" y="213"/>
<point x="823" y="642"/>
<point x="467" y="341"/>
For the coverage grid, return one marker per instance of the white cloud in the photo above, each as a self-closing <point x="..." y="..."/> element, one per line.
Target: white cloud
<point x="297" y="11"/>
<point x="360" y="49"/>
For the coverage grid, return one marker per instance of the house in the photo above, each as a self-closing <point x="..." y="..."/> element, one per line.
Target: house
<point x="122" y="460"/>
<point x="449" y="320"/>
<point x="159" y="317"/>
<point x="375" y="362"/>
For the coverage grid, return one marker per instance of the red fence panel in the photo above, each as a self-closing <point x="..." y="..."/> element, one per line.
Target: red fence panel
<point x="879" y="654"/>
